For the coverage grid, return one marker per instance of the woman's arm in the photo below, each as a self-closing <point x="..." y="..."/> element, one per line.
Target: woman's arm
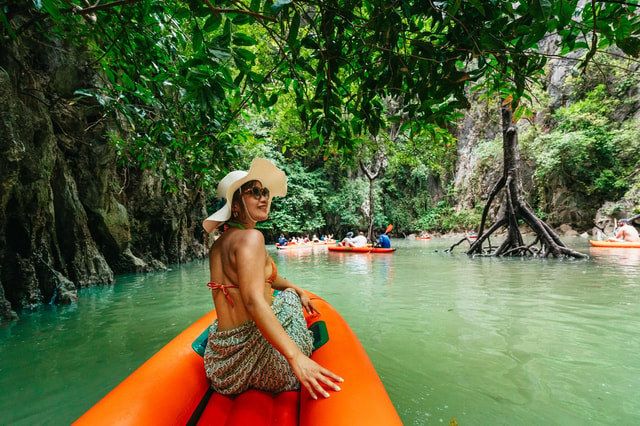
<point x="250" y="257"/>
<point x="282" y="284"/>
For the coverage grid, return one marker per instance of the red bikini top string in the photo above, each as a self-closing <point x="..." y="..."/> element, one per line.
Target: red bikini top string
<point x="216" y="286"/>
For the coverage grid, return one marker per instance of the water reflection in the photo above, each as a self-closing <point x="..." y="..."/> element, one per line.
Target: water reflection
<point x="623" y="261"/>
<point x="352" y="263"/>
<point x="385" y="266"/>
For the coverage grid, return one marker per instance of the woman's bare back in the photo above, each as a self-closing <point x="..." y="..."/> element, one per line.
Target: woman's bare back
<point x="224" y="261"/>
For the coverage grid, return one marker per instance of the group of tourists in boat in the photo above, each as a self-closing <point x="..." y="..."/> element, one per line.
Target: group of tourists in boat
<point x="304" y="241"/>
<point x="361" y="240"/>
<point x="360" y="244"/>
<point x="349" y="241"/>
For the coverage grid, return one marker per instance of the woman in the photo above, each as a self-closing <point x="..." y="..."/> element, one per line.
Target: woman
<point x="257" y="341"/>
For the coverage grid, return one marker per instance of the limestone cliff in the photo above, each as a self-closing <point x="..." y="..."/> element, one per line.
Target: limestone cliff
<point x="69" y="217"/>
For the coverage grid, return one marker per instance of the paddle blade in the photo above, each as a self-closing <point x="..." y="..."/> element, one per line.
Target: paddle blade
<point x="389" y="228"/>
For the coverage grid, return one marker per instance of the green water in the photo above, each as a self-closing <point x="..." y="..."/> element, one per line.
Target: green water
<point x="485" y="341"/>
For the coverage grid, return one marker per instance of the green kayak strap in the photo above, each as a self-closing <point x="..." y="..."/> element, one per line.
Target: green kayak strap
<point x="320" y="334"/>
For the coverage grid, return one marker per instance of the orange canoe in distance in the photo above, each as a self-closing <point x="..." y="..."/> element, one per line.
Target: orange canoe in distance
<point x="615" y="244"/>
<point x="171" y="387"/>
<point x="365" y="249"/>
<point x="383" y="250"/>
<point x="295" y="246"/>
<point x="305" y="245"/>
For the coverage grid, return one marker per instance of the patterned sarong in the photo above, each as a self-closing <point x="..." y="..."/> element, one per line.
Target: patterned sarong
<point x="240" y="359"/>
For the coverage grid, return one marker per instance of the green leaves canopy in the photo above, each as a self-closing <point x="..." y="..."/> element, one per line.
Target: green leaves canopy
<point x="178" y="74"/>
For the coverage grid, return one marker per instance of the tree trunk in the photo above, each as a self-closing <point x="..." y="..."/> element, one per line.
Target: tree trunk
<point x="516" y="208"/>
<point x="371" y="175"/>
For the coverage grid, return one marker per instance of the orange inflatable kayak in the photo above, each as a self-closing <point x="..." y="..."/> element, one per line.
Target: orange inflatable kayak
<point x="383" y="250"/>
<point x="365" y="249"/>
<point x="171" y="387"/>
<point x="616" y="244"/>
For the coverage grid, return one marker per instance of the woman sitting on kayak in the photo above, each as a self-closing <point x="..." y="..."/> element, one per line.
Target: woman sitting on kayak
<point x="258" y="341"/>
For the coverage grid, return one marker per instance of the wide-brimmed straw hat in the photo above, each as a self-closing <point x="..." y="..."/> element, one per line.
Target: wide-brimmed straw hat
<point x="261" y="170"/>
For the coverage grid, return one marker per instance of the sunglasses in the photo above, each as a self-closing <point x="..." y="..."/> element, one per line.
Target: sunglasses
<point x="258" y="192"/>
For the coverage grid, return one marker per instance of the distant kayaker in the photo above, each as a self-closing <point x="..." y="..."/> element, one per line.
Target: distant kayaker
<point x="384" y="241"/>
<point x="346" y="241"/>
<point x="359" y="240"/>
<point x="258" y="341"/>
<point x="626" y="232"/>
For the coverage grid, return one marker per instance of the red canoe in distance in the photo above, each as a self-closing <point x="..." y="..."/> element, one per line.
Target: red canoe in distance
<point x="365" y="249"/>
<point x="383" y="250"/>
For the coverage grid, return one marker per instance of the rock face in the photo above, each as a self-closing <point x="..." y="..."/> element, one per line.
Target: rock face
<point x="67" y="212"/>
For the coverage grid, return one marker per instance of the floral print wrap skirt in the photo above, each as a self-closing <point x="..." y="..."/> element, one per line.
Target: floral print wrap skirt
<point x="240" y="359"/>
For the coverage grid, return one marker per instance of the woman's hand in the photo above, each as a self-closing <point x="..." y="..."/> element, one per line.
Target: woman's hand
<point x="281" y="283"/>
<point x="306" y="302"/>
<point x="313" y="376"/>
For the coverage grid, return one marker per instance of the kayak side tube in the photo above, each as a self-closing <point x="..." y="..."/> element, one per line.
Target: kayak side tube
<point x="362" y="399"/>
<point x="165" y="390"/>
<point x="365" y="249"/>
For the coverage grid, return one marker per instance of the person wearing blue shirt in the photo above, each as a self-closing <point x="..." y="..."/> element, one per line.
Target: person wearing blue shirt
<point x="384" y="241"/>
<point x="282" y="240"/>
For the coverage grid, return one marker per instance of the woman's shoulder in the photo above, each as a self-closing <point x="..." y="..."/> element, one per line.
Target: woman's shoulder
<point x="243" y="245"/>
<point x="246" y="238"/>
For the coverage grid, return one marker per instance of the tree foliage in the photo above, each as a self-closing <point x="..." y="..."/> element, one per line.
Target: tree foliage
<point x="180" y="72"/>
<point x="593" y="153"/>
<point x="178" y="76"/>
<point x="301" y="211"/>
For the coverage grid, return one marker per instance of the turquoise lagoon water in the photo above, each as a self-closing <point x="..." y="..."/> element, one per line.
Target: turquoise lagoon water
<point x="485" y="341"/>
